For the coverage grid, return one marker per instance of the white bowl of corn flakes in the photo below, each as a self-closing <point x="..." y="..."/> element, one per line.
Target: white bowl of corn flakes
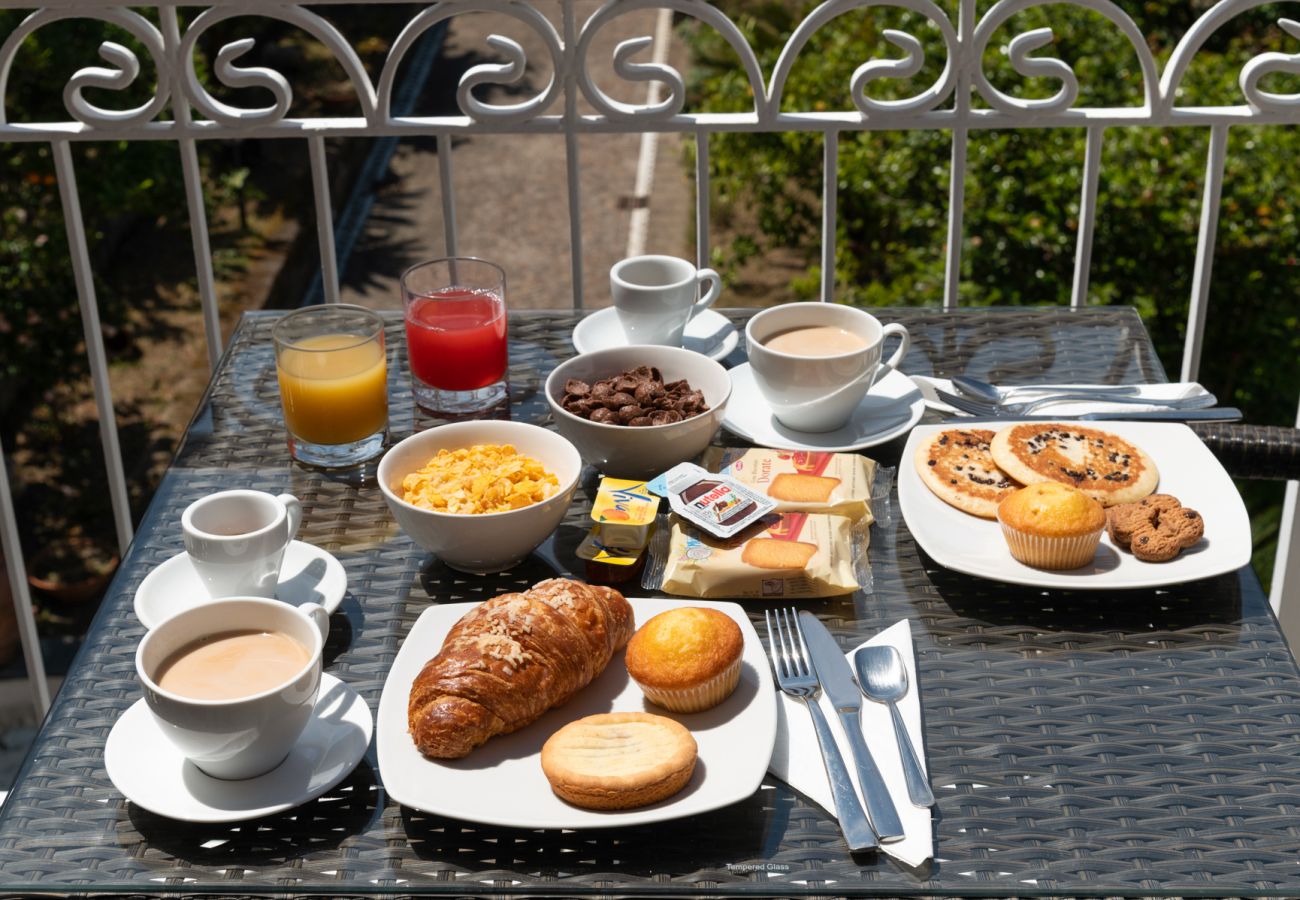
<point x="480" y="495"/>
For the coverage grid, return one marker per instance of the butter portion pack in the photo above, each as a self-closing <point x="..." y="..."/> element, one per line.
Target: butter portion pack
<point x="802" y="480"/>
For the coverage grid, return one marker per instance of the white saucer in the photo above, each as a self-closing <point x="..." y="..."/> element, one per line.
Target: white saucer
<point x="146" y="767"/>
<point x="308" y="574"/>
<point x="709" y="333"/>
<point x="890" y="409"/>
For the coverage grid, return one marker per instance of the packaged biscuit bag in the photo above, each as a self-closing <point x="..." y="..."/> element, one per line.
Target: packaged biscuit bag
<point x="803" y="480"/>
<point x="784" y="555"/>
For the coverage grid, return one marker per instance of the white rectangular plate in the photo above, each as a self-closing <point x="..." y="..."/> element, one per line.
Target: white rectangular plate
<point x="1188" y="470"/>
<point x="501" y="783"/>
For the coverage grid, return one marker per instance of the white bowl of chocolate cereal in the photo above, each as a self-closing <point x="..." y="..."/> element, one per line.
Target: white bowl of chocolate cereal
<point x="637" y="411"/>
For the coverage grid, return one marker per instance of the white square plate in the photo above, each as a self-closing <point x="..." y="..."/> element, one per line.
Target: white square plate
<point x="1188" y="470"/>
<point x="501" y="783"/>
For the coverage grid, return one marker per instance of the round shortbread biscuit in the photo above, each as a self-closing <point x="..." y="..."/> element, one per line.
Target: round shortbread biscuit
<point x="619" y="760"/>
<point x="1103" y="465"/>
<point x="956" y="465"/>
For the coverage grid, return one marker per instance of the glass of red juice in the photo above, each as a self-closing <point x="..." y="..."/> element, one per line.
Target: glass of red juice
<point x="456" y="334"/>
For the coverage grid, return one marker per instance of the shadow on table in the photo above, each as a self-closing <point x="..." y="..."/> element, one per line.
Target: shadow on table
<point x="1214" y="603"/>
<point x="712" y="840"/>
<point x="321" y="824"/>
<point x="555" y="558"/>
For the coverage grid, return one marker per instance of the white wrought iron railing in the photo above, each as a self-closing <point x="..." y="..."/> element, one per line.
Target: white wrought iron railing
<point x="946" y="105"/>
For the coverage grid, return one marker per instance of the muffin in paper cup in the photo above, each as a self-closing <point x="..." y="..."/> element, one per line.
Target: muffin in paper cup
<point x="1046" y="552"/>
<point x="697" y="698"/>
<point x="686" y="659"/>
<point x="1051" y="526"/>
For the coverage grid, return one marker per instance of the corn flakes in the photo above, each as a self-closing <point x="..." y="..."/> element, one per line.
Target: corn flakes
<point x="480" y="479"/>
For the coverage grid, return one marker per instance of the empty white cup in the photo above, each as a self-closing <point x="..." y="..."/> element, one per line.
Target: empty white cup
<point x="819" y="393"/>
<point x="236" y="540"/>
<point x="655" y="296"/>
<point x="246" y="736"/>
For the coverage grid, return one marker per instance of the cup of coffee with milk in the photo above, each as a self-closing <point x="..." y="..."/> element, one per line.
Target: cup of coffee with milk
<point x="814" y="362"/>
<point x="232" y="682"/>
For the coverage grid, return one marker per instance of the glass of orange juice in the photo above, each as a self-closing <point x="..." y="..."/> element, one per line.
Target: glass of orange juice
<point x="333" y="384"/>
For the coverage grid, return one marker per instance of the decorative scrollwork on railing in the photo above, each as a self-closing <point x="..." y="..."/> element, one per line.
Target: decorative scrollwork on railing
<point x="510" y="72"/>
<point x="126" y="67"/>
<point x="1267" y="64"/>
<point x="1033" y="67"/>
<point x="1195" y="38"/>
<point x="631" y="71"/>
<point x="260" y="77"/>
<point x="963" y="38"/>
<point x="1022" y="45"/>
<point x="907" y="67"/>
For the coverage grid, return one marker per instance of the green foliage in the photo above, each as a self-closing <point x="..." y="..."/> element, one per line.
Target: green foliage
<point x="127" y="191"/>
<point x="1023" y="187"/>
<point x="40" y="326"/>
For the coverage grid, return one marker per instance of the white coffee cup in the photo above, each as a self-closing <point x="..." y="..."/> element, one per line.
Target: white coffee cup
<point x="819" y="393"/>
<point x="236" y="540"/>
<point x="247" y="736"/>
<point x="654" y="297"/>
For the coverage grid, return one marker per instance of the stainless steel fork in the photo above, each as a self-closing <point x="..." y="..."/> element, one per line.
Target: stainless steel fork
<point x="797" y="677"/>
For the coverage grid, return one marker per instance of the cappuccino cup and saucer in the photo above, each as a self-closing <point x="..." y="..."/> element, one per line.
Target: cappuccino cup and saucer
<point x="818" y="379"/>
<point x="238" y="717"/>
<point x="241" y="543"/>
<point x="661" y="300"/>
<point x="238" y="720"/>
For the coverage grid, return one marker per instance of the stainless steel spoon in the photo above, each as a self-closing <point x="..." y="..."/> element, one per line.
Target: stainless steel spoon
<point x="990" y="393"/>
<point x="883" y="678"/>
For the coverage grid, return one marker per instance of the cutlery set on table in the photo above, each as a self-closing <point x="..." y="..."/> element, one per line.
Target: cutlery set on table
<point x="965" y="396"/>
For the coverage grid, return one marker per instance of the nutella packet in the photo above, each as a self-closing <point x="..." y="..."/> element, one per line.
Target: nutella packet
<point x="718" y="505"/>
<point x="784" y="556"/>
<point x="803" y="480"/>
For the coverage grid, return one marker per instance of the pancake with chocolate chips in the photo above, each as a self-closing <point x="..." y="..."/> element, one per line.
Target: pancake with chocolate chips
<point x="956" y="464"/>
<point x="1101" y="464"/>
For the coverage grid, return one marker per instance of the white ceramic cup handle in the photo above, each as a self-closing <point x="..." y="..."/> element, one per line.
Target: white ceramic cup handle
<point x="293" y="511"/>
<point x="319" y="617"/>
<point x="905" y="343"/>
<point x="714" y="281"/>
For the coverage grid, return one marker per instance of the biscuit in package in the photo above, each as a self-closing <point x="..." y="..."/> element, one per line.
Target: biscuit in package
<point x="803" y="480"/>
<point x="785" y="555"/>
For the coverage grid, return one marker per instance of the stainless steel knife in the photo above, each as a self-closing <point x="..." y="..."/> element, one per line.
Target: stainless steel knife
<point x="1214" y="414"/>
<point x="837" y="681"/>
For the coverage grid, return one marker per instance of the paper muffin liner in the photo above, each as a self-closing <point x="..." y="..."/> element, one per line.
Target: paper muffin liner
<point x="1045" y="552"/>
<point x="697" y="698"/>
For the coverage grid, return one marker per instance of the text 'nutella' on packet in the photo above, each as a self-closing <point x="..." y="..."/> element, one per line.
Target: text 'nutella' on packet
<point x="787" y="555"/>
<point x="801" y="480"/>
<point x="716" y="504"/>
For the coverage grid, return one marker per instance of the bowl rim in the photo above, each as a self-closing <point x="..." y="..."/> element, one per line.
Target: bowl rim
<point x="563" y="413"/>
<point x="565" y="490"/>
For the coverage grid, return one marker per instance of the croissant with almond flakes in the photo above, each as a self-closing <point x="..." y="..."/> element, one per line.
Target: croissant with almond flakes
<point x="510" y="659"/>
